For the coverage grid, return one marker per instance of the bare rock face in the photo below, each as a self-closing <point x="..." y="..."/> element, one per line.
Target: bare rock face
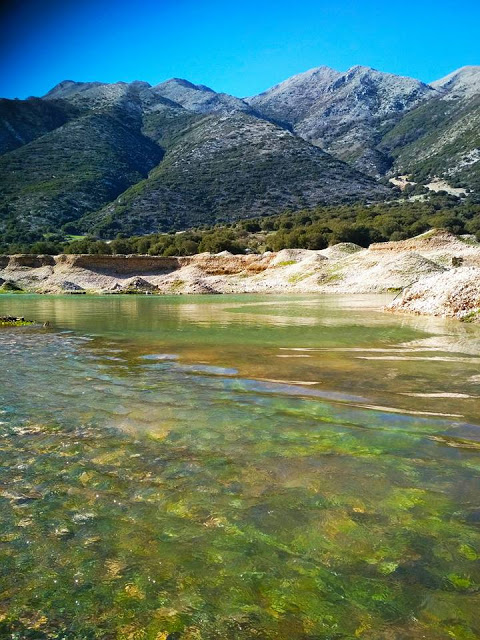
<point x="71" y="287"/>
<point x="139" y="285"/>
<point x="439" y="272"/>
<point x="291" y="256"/>
<point x="62" y="286"/>
<point x="30" y="261"/>
<point x="428" y="241"/>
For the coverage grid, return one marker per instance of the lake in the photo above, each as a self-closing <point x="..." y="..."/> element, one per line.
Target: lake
<point x="234" y="467"/>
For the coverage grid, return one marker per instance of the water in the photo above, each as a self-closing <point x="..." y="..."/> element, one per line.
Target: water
<point x="295" y="468"/>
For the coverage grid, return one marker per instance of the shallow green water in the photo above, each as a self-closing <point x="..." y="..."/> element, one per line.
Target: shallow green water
<point x="237" y="467"/>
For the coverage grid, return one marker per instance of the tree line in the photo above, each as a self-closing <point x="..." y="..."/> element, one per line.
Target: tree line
<point x="316" y="228"/>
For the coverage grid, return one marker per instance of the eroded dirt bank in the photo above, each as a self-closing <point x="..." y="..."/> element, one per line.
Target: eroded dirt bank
<point x="438" y="273"/>
<point x="454" y="293"/>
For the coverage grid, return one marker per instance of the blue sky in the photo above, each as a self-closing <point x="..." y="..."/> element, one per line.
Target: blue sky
<point x="237" y="47"/>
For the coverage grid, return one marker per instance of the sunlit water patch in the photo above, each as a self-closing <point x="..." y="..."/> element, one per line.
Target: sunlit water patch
<point x="178" y="480"/>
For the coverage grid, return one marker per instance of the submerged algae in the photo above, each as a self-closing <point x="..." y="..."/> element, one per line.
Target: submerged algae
<point x="154" y="498"/>
<point x="109" y="537"/>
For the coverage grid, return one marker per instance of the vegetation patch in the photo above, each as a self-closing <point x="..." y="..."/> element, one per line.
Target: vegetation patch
<point x="286" y="263"/>
<point x="12" y="321"/>
<point x="298" y="277"/>
<point x="360" y="224"/>
<point x="10" y="287"/>
<point x="473" y="316"/>
<point x="177" y="284"/>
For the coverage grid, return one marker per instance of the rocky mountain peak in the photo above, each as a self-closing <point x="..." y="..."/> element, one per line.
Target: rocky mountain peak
<point x="67" y="88"/>
<point x="79" y="91"/>
<point x="462" y="83"/>
<point x="198" y="97"/>
<point x="360" y="69"/>
<point x="181" y="82"/>
<point x="342" y="112"/>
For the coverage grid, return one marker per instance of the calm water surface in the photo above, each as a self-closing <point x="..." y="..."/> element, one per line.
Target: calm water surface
<point x="189" y="468"/>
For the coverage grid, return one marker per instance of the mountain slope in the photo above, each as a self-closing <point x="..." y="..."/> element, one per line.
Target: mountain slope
<point x="343" y="113"/>
<point x="22" y="121"/>
<point x="135" y="158"/>
<point x="442" y="138"/>
<point x="230" y="166"/>
<point x="78" y="167"/>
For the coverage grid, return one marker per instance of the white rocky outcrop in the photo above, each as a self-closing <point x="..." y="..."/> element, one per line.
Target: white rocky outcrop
<point x="454" y="293"/>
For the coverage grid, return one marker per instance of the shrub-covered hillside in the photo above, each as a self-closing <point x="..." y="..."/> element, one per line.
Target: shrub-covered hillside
<point x="311" y="229"/>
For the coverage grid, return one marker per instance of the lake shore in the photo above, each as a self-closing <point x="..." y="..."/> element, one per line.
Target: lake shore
<point x="435" y="273"/>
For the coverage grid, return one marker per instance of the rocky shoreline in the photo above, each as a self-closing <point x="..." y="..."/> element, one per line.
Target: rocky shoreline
<point x="437" y="273"/>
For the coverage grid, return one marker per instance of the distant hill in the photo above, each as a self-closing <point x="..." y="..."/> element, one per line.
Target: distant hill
<point x="137" y="158"/>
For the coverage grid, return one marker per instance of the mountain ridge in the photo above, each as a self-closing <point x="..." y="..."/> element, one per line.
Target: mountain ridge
<point x="183" y="154"/>
<point x="343" y="112"/>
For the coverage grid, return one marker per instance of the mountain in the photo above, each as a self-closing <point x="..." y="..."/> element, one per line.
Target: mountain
<point x="344" y="113"/>
<point x="198" y="98"/>
<point x="228" y="166"/>
<point x="76" y="168"/>
<point x="462" y="83"/>
<point x="183" y="154"/>
<point x="133" y="157"/>
<point x="441" y="139"/>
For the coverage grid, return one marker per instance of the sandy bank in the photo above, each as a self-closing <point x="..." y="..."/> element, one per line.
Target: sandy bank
<point x="432" y="260"/>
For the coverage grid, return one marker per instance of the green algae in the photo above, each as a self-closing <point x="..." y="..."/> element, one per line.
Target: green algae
<point x="472" y="316"/>
<point x="128" y="541"/>
<point x="10" y="287"/>
<point x="286" y="263"/>
<point x="7" y="322"/>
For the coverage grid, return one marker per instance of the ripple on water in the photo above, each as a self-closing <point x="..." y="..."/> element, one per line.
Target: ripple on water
<point x="160" y="356"/>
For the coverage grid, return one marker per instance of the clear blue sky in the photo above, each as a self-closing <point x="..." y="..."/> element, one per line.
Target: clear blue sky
<point x="237" y="47"/>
